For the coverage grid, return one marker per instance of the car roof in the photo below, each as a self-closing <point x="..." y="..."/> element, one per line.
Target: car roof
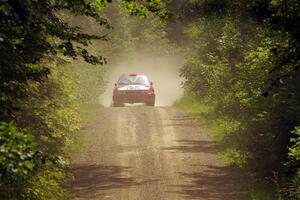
<point x="133" y="74"/>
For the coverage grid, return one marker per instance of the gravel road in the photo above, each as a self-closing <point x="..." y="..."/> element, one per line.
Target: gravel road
<point x="150" y="153"/>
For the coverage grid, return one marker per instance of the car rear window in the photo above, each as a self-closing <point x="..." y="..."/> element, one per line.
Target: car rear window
<point x="134" y="79"/>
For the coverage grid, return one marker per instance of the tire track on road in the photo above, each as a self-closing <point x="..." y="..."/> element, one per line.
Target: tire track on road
<point x="150" y="153"/>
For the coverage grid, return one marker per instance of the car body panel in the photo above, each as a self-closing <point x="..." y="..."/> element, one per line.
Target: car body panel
<point x="133" y="88"/>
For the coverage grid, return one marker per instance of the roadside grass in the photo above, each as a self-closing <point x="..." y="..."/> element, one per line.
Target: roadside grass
<point x="261" y="190"/>
<point x="88" y="112"/>
<point x="47" y="184"/>
<point x="191" y="105"/>
<point x="221" y="129"/>
<point x="80" y="141"/>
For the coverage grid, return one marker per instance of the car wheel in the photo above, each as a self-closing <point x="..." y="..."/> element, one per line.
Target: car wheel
<point x="150" y="103"/>
<point x="117" y="104"/>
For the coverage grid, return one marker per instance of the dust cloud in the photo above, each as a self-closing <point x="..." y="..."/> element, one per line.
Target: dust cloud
<point x="163" y="71"/>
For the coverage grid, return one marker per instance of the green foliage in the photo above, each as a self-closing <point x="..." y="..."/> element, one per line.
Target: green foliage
<point x="20" y="159"/>
<point x="223" y="128"/>
<point x="294" y="150"/>
<point x="144" y="8"/>
<point x="47" y="185"/>
<point x="291" y="187"/>
<point x="18" y="155"/>
<point x="192" y="105"/>
<point x="233" y="157"/>
<point x="261" y="191"/>
<point x="39" y="87"/>
<point x="244" y="62"/>
<point x="31" y="29"/>
<point x="50" y="112"/>
<point x="26" y="27"/>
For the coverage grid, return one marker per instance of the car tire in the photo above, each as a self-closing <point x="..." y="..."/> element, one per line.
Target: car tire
<point x="117" y="104"/>
<point x="150" y="103"/>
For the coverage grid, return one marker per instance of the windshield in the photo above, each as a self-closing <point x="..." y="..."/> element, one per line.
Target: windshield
<point x="134" y="80"/>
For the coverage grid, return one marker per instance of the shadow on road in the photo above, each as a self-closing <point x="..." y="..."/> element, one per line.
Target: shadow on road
<point x="92" y="179"/>
<point x="178" y="121"/>
<point x="213" y="183"/>
<point x="194" y="146"/>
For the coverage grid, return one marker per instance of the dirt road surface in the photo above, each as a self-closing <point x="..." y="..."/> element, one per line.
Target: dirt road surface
<point x="150" y="153"/>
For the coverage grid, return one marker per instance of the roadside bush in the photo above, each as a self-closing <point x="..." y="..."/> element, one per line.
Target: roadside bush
<point x="246" y="69"/>
<point x="39" y="99"/>
<point x="19" y="159"/>
<point x="47" y="184"/>
<point x="290" y="188"/>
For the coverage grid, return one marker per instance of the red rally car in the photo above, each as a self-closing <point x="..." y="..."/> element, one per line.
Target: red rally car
<point x="133" y="88"/>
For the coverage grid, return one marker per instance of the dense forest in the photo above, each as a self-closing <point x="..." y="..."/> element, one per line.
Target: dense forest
<point x="242" y="72"/>
<point x="52" y="56"/>
<point x="241" y="75"/>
